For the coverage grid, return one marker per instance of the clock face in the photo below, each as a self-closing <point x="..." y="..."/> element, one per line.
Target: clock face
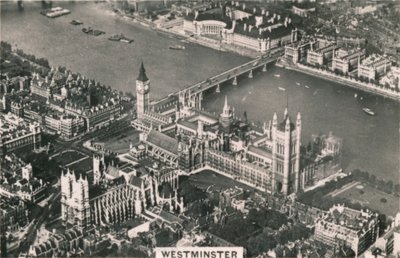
<point x="146" y="87"/>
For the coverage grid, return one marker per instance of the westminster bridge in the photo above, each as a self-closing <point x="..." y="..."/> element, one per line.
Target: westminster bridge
<point x="193" y="95"/>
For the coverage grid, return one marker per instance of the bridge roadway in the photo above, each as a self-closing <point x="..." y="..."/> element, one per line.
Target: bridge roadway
<point x="232" y="74"/>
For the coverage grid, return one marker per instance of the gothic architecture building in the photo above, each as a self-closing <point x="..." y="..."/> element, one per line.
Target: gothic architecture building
<point x="266" y="158"/>
<point x="117" y="193"/>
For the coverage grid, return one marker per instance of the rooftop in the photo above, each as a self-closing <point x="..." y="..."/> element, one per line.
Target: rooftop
<point x="163" y="141"/>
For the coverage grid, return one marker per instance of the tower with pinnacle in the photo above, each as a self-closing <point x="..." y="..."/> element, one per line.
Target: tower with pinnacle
<point x="142" y="92"/>
<point x="226" y="117"/>
<point x="286" y="141"/>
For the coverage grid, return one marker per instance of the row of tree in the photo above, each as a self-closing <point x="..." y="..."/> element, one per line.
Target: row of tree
<point x="14" y="65"/>
<point x="385" y="186"/>
<point x="40" y="61"/>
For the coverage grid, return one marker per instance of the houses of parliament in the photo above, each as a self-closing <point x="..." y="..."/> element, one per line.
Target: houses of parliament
<point x="182" y="140"/>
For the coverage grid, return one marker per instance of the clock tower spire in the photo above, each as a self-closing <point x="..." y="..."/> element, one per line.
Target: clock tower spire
<point x="142" y="92"/>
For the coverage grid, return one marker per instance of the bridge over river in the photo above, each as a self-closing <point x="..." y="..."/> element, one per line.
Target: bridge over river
<point x="193" y="95"/>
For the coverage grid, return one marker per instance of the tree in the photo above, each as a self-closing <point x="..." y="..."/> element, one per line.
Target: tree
<point x="190" y="192"/>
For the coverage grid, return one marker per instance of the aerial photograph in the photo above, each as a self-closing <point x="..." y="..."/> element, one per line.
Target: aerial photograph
<point x="200" y="128"/>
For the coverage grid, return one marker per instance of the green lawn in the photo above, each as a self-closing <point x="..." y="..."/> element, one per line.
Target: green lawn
<point x="371" y="198"/>
<point x="120" y="143"/>
<point x="69" y="156"/>
<point x="207" y="177"/>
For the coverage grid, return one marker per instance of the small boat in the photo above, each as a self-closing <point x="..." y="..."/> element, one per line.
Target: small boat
<point x="281" y="88"/>
<point x="126" y="40"/>
<point x="115" y="37"/>
<point x="120" y="37"/>
<point x="307" y="86"/>
<point x="93" y="32"/>
<point x="177" y="47"/>
<point x="76" y="22"/>
<point x="277" y="75"/>
<point x="87" y="30"/>
<point x="355" y="95"/>
<point x="298" y="83"/>
<point x="369" y="111"/>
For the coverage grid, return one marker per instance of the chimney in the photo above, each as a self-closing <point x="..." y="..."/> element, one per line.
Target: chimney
<point x="196" y="13"/>
<point x="254" y="10"/>
<point x="245" y="26"/>
<point x="250" y="27"/>
<point x="262" y="11"/>
<point x="244" y="6"/>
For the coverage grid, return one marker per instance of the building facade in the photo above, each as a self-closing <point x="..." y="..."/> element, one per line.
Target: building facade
<point x="16" y="134"/>
<point x="347" y="61"/>
<point x="357" y="229"/>
<point x="256" y="29"/>
<point x="374" y="67"/>
<point x="117" y="193"/>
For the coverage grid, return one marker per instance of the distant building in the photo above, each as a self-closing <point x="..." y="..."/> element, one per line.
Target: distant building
<point x="346" y="61"/>
<point x="13" y="214"/>
<point x="18" y="135"/>
<point x="97" y="116"/>
<point x="298" y="50"/>
<point x="56" y="244"/>
<point x="322" y="54"/>
<point x="374" y="67"/>
<point x="346" y="226"/>
<point x="387" y="245"/>
<point x="67" y="126"/>
<point x="237" y="25"/>
<point x="392" y="78"/>
<point x="302" y="11"/>
<point x="17" y="180"/>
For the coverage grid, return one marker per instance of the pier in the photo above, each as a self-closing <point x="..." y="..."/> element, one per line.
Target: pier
<point x="193" y="95"/>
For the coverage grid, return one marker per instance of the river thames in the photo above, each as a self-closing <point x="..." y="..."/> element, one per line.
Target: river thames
<point x="370" y="142"/>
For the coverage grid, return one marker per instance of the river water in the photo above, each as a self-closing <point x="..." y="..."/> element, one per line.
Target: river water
<point x="370" y="142"/>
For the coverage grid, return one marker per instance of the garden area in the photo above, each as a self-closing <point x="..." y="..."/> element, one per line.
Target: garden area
<point x="372" y="198"/>
<point x="67" y="157"/>
<point x="119" y="143"/>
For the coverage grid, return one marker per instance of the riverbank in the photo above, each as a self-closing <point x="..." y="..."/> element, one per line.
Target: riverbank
<point x="351" y="82"/>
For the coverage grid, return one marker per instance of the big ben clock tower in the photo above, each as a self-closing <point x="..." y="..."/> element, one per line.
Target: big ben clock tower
<point x="142" y="92"/>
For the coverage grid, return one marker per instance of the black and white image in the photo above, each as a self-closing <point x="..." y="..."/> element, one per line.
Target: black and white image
<point x="199" y="128"/>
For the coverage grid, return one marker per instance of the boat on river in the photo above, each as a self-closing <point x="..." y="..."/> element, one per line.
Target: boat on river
<point x="277" y="75"/>
<point x="121" y="38"/>
<point x="55" y="12"/>
<point x="369" y="111"/>
<point x="177" y="47"/>
<point x="281" y="88"/>
<point x="76" y="22"/>
<point x="91" y="31"/>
